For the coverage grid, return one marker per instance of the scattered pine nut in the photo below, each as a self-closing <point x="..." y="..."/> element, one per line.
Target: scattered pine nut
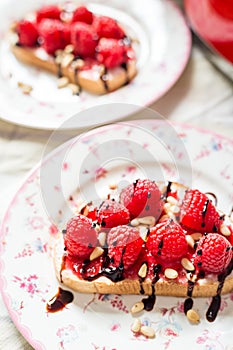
<point x="113" y="186"/>
<point x="167" y="207"/>
<point x="69" y="48"/>
<point x="67" y="59"/>
<point x="171" y="273"/>
<point x="225" y="230"/>
<point x="187" y="264"/>
<point x="74" y="88"/>
<point x="77" y="64"/>
<point x="171" y="200"/>
<point x="26" y="89"/>
<point x="62" y="82"/>
<point x="136" y="326"/>
<point x="148" y="331"/>
<point x="147" y="220"/>
<point x="143" y="271"/>
<point x="175" y="209"/>
<point x="196" y="236"/>
<point x="102" y="238"/>
<point x="193" y="316"/>
<point x="137" y="307"/>
<point x="97" y="252"/>
<point x="134" y="222"/>
<point x="190" y="240"/>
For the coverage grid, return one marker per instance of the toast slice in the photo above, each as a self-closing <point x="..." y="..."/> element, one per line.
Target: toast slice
<point x="92" y="51"/>
<point x="181" y="279"/>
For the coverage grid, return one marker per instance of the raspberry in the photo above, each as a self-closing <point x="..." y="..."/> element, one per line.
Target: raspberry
<point x="124" y="245"/>
<point x="167" y="241"/>
<point x="111" y="214"/>
<point x="107" y="27"/>
<point x="84" y="38"/>
<point x="28" y="33"/>
<point x="80" y="237"/>
<point x="82" y="14"/>
<point x="54" y="35"/>
<point x="198" y="213"/>
<point x="110" y="52"/>
<point x="142" y="198"/>
<point x="213" y="253"/>
<point x="49" y="11"/>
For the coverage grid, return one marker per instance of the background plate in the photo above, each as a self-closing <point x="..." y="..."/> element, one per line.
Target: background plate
<point x="163" y="52"/>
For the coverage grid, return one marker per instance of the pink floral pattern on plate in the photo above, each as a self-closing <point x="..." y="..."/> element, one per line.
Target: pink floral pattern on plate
<point x="103" y="321"/>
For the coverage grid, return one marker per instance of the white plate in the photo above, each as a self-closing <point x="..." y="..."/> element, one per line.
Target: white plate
<point x="119" y="153"/>
<point x="163" y="52"/>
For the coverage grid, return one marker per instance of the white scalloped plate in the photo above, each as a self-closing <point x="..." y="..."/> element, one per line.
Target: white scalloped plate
<point x="93" y="322"/>
<point x="164" y="50"/>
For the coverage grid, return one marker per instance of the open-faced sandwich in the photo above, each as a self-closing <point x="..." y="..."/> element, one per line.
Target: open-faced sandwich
<point x="152" y="239"/>
<point x="88" y="51"/>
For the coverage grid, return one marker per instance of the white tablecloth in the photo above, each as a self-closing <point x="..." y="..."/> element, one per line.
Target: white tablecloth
<point x="202" y="97"/>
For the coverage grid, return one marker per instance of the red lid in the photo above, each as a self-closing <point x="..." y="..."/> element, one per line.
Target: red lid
<point x="212" y="20"/>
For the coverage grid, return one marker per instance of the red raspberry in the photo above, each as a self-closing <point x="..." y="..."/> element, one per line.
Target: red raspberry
<point x="82" y="14"/>
<point x="213" y="253"/>
<point x="54" y="34"/>
<point x="167" y="241"/>
<point x="84" y="38"/>
<point x="49" y="11"/>
<point x="28" y="33"/>
<point x="198" y="213"/>
<point x="111" y="214"/>
<point x="107" y="27"/>
<point x="124" y="243"/>
<point x="110" y="52"/>
<point x="80" y="238"/>
<point x="142" y="198"/>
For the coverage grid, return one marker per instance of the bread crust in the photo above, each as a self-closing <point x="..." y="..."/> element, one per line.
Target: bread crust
<point x="89" y="80"/>
<point x="103" y="285"/>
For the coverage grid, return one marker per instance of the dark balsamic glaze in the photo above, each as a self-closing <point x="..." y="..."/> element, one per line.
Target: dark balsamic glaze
<point x="214" y="307"/>
<point x="142" y="279"/>
<point x="212" y="195"/>
<point x="115" y="274"/>
<point x="149" y="302"/>
<point x="63" y="266"/>
<point x="59" y="70"/>
<point x="168" y="189"/>
<point x="204" y="211"/>
<point x="188" y="303"/>
<point x="125" y="67"/>
<point x="104" y="78"/>
<point x="59" y="301"/>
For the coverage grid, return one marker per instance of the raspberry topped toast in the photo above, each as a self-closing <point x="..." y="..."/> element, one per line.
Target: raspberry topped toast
<point x="90" y="51"/>
<point x="154" y="240"/>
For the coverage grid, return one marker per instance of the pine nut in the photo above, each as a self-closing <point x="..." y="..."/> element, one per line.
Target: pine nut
<point x="136" y="326"/>
<point x="171" y="273"/>
<point x="193" y="316"/>
<point x="190" y="240"/>
<point x="147" y="220"/>
<point x="134" y="222"/>
<point x="102" y="238"/>
<point x="137" y="307"/>
<point x="225" y="230"/>
<point x="74" y="88"/>
<point x="67" y="59"/>
<point x="148" y="331"/>
<point x="69" y="48"/>
<point x="77" y="64"/>
<point x="26" y="89"/>
<point x="62" y="82"/>
<point x="196" y="236"/>
<point x="187" y="264"/>
<point x="97" y="252"/>
<point x="143" y="232"/>
<point x="143" y="271"/>
<point x="175" y="209"/>
<point x="113" y="186"/>
<point x="171" y="200"/>
<point x="167" y="207"/>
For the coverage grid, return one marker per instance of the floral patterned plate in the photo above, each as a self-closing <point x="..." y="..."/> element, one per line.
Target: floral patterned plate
<point x="163" y="50"/>
<point x="83" y="168"/>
